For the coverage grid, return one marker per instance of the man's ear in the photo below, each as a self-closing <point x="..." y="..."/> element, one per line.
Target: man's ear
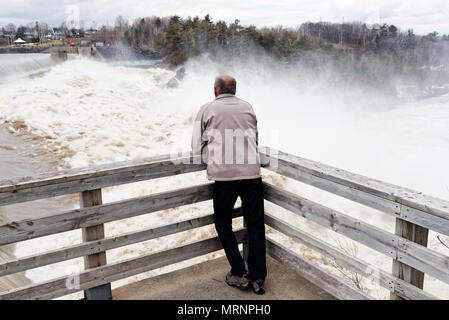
<point x="216" y="92"/>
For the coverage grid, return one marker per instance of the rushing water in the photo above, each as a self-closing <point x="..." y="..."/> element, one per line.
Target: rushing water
<point x="19" y="156"/>
<point x="15" y="66"/>
<point x="86" y="112"/>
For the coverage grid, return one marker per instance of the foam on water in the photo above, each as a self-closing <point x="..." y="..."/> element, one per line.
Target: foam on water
<point x="86" y="112"/>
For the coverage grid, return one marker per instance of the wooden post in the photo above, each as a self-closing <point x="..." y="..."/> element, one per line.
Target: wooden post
<point x="103" y="292"/>
<point x="415" y="233"/>
<point x="245" y="242"/>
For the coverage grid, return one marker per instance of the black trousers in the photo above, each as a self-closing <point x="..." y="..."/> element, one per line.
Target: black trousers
<point x="251" y="194"/>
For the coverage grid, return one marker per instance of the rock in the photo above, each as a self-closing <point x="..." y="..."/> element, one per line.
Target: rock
<point x="174" y="82"/>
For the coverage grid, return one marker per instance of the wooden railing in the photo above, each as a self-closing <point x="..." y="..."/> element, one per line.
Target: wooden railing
<point x="415" y="214"/>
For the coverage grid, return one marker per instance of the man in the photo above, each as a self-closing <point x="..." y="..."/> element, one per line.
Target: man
<point x="226" y="130"/>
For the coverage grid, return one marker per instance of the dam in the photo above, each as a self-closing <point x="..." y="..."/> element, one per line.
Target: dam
<point x="16" y="65"/>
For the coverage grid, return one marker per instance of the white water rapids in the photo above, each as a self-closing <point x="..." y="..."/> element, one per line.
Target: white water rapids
<point x="85" y="112"/>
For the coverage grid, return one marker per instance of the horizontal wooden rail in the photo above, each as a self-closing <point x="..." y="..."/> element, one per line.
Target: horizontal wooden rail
<point x="80" y="218"/>
<point x="77" y="180"/>
<point x="92" y="247"/>
<point x="385" y="279"/>
<point x="409" y="205"/>
<point x="396" y="247"/>
<point x="116" y="271"/>
<point x="328" y="282"/>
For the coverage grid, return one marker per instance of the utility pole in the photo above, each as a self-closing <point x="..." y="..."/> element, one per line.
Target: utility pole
<point x="319" y="30"/>
<point x="341" y="32"/>
<point x="364" y="37"/>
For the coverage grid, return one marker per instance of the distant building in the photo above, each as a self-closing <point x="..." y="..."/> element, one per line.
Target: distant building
<point x="19" y="42"/>
<point x="6" y="33"/>
<point x="57" y="34"/>
<point x="31" y="34"/>
<point x="90" y="32"/>
<point x="76" y="33"/>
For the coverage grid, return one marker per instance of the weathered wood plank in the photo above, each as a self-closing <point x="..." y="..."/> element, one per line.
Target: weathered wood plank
<point x="423" y="259"/>
<point x="95" y="232"/>
<point x="90" y="199"/>
<point x="419" y="235"/>
<point x="352" y="263"/>
<point x="86" y="217"/>
<point x="423" y="219"/>
<point x="116" y="271"/>
<point x="427" y="211"/>
<point x="355" y="229"/>
<point x="78" y="180"/>
<point x="391" y="245"/>
<point x="109" y="243"/>
<point x="326" y="281"/>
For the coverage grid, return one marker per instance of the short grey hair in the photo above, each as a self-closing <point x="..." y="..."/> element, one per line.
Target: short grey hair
<point x="225" y="84"/>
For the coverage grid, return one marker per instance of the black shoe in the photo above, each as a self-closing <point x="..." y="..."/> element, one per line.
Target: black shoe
<point x="237" y="281"/>
<point x="257" y="286"/>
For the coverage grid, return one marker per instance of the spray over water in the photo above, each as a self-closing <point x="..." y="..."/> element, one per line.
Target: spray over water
<point x="86" y="112"/>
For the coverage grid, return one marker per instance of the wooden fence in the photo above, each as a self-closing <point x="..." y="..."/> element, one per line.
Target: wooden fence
<point x="415" y="214"/>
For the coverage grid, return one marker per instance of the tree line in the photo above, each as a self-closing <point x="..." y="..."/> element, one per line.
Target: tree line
<point x="376" y="55"/>
<point x="373" y="53"/>
<point x="179" y="39"/>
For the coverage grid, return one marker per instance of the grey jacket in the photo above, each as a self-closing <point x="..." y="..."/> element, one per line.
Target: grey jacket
<point x="226" y="131"/>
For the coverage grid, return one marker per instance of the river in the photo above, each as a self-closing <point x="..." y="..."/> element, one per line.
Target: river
<point x="85" y="112"/>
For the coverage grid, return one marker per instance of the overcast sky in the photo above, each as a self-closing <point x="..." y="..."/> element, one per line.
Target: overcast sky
<point x="422" y="15"/>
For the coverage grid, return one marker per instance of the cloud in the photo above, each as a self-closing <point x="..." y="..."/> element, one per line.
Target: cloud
<point x="422" y="16"/>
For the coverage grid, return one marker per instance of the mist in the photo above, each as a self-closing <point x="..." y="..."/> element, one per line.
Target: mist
<point x="324" y="111"/>
<point x="334" y="118"/>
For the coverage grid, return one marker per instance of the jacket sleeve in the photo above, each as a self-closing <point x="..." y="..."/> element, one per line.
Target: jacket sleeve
<point x="198" y="129"/>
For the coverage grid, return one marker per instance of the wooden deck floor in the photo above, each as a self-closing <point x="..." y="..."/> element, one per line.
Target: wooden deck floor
<point x="206" y="281"/>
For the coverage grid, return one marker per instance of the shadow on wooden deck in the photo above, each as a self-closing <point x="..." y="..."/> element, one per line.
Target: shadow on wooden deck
<point x="206" y="281"/>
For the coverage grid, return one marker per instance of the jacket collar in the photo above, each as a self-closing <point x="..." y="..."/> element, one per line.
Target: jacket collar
<point x="224" y="95"/>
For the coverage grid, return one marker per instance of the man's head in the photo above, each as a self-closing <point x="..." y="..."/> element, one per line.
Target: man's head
<point x="224" y="84"/>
